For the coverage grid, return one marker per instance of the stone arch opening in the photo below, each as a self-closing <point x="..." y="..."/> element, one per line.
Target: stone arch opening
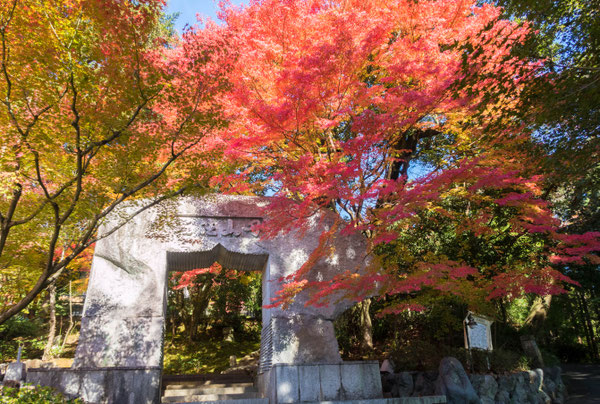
<point x="178" y="261"/>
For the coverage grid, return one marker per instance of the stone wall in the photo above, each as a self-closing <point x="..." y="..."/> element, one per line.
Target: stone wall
<point x="538" y="386"/>
<point x="102" y="385"/>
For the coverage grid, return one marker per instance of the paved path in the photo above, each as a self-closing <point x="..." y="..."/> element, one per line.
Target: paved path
<point x="583" y="383"/>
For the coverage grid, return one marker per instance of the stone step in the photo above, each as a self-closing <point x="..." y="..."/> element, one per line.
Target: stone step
<point x="206" y="383"/>
<point x="236" y="401"/>
<point x="208" y="377"/>
<point x="209" y="390"/>
<point x="209" y="397"/>
<point x="399" y="400"/>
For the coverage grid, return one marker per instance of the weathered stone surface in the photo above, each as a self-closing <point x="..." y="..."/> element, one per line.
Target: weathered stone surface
<point x="33" y="363"/>
<point x="321" y="382"/>
<point x="424" y="383"/>
<point x="360" y="380"/>
<point x="519" y="394"/>
<point x="387" y="383"/>
<point x="102" y="386"/>
<point x="502" y="396"/>
<point x="387" y="366"/>
<point x="15" y="372"/>
<point x="310" y="383"/>
<point x="532" y="350"/>
<point x="123" y="316"/>
<point x="403" y="385"/>
<point x="304" y="339"/>
<point x="536" y="382"/>
<point x="553" y="385"/>
<point x="486" y="388"/>
<point x="454" y="383"/>
<point x="371" y="380"/>
<point x="93" y="387"/>
<point x="331" y="382"/>
<point x="70" y="383"/>
<point x="287" y="384"/>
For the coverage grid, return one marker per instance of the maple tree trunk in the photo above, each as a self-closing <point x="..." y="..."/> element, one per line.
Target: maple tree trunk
<point x="52" y="326"/>
<point x="71" y="322"/>
<point x="366" y="326"/>
<point x="503" y="310"/>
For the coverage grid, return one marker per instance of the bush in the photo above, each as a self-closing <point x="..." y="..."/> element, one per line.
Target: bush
<point x="34" y="395"/>
<point x="424" y="356"/>
<point x="19" y="326"/>
<point x="418" y="355"/>
<point x="498" y="361"/>
<point x="550" y="359"/>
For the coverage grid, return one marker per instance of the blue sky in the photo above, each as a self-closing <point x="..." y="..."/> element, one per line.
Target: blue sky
<point x="189" y="8"/>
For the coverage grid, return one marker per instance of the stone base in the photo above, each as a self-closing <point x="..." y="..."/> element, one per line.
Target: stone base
<point x="285" y="383"/>
<point x="401" y="400"/>
<point x="15" y="373"/>
<point x="102" y="385"/>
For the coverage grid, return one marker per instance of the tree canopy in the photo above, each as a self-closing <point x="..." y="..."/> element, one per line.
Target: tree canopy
<point x="100" y="105"/>
<point x="422" y="124"/>
<point x="331" y="103"/>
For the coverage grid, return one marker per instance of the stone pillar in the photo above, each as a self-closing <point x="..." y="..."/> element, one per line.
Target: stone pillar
<point x="123" y="315"/>
<point x="121" y="337"/>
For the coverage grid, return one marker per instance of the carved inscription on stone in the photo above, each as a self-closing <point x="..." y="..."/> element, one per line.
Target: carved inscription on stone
<point x="211" y="226"/>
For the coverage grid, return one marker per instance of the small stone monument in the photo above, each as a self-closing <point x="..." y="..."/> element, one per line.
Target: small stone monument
<point x="228" y="334"/>
<point x="387" y="366"/>
<point x="532" y="351"/>
<point x="478" y="332"/>
<point x="15" y="372"/>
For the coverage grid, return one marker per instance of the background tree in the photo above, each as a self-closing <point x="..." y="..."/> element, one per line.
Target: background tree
<point x="561" y="108"/>
<point x="99" y="107"/>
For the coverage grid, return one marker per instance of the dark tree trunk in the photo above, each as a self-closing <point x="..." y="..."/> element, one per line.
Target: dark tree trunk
<point x="503" y="310"/>
<point x="589" y="325"/>
<point x="584" y="326"/>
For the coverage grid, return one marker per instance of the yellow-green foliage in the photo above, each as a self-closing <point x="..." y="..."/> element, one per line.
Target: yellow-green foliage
<point x="34" y="395"/>
<point x="204" y="356"/>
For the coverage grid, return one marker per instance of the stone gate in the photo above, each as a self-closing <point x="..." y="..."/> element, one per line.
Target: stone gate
<point x="119" y="356"/>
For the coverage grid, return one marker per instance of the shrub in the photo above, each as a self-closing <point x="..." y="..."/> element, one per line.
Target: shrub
<point x="498" y="361"/>
<point x="19" y="326"/>
<point x="34" y="395"/>
<point x="425" y="356"/>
